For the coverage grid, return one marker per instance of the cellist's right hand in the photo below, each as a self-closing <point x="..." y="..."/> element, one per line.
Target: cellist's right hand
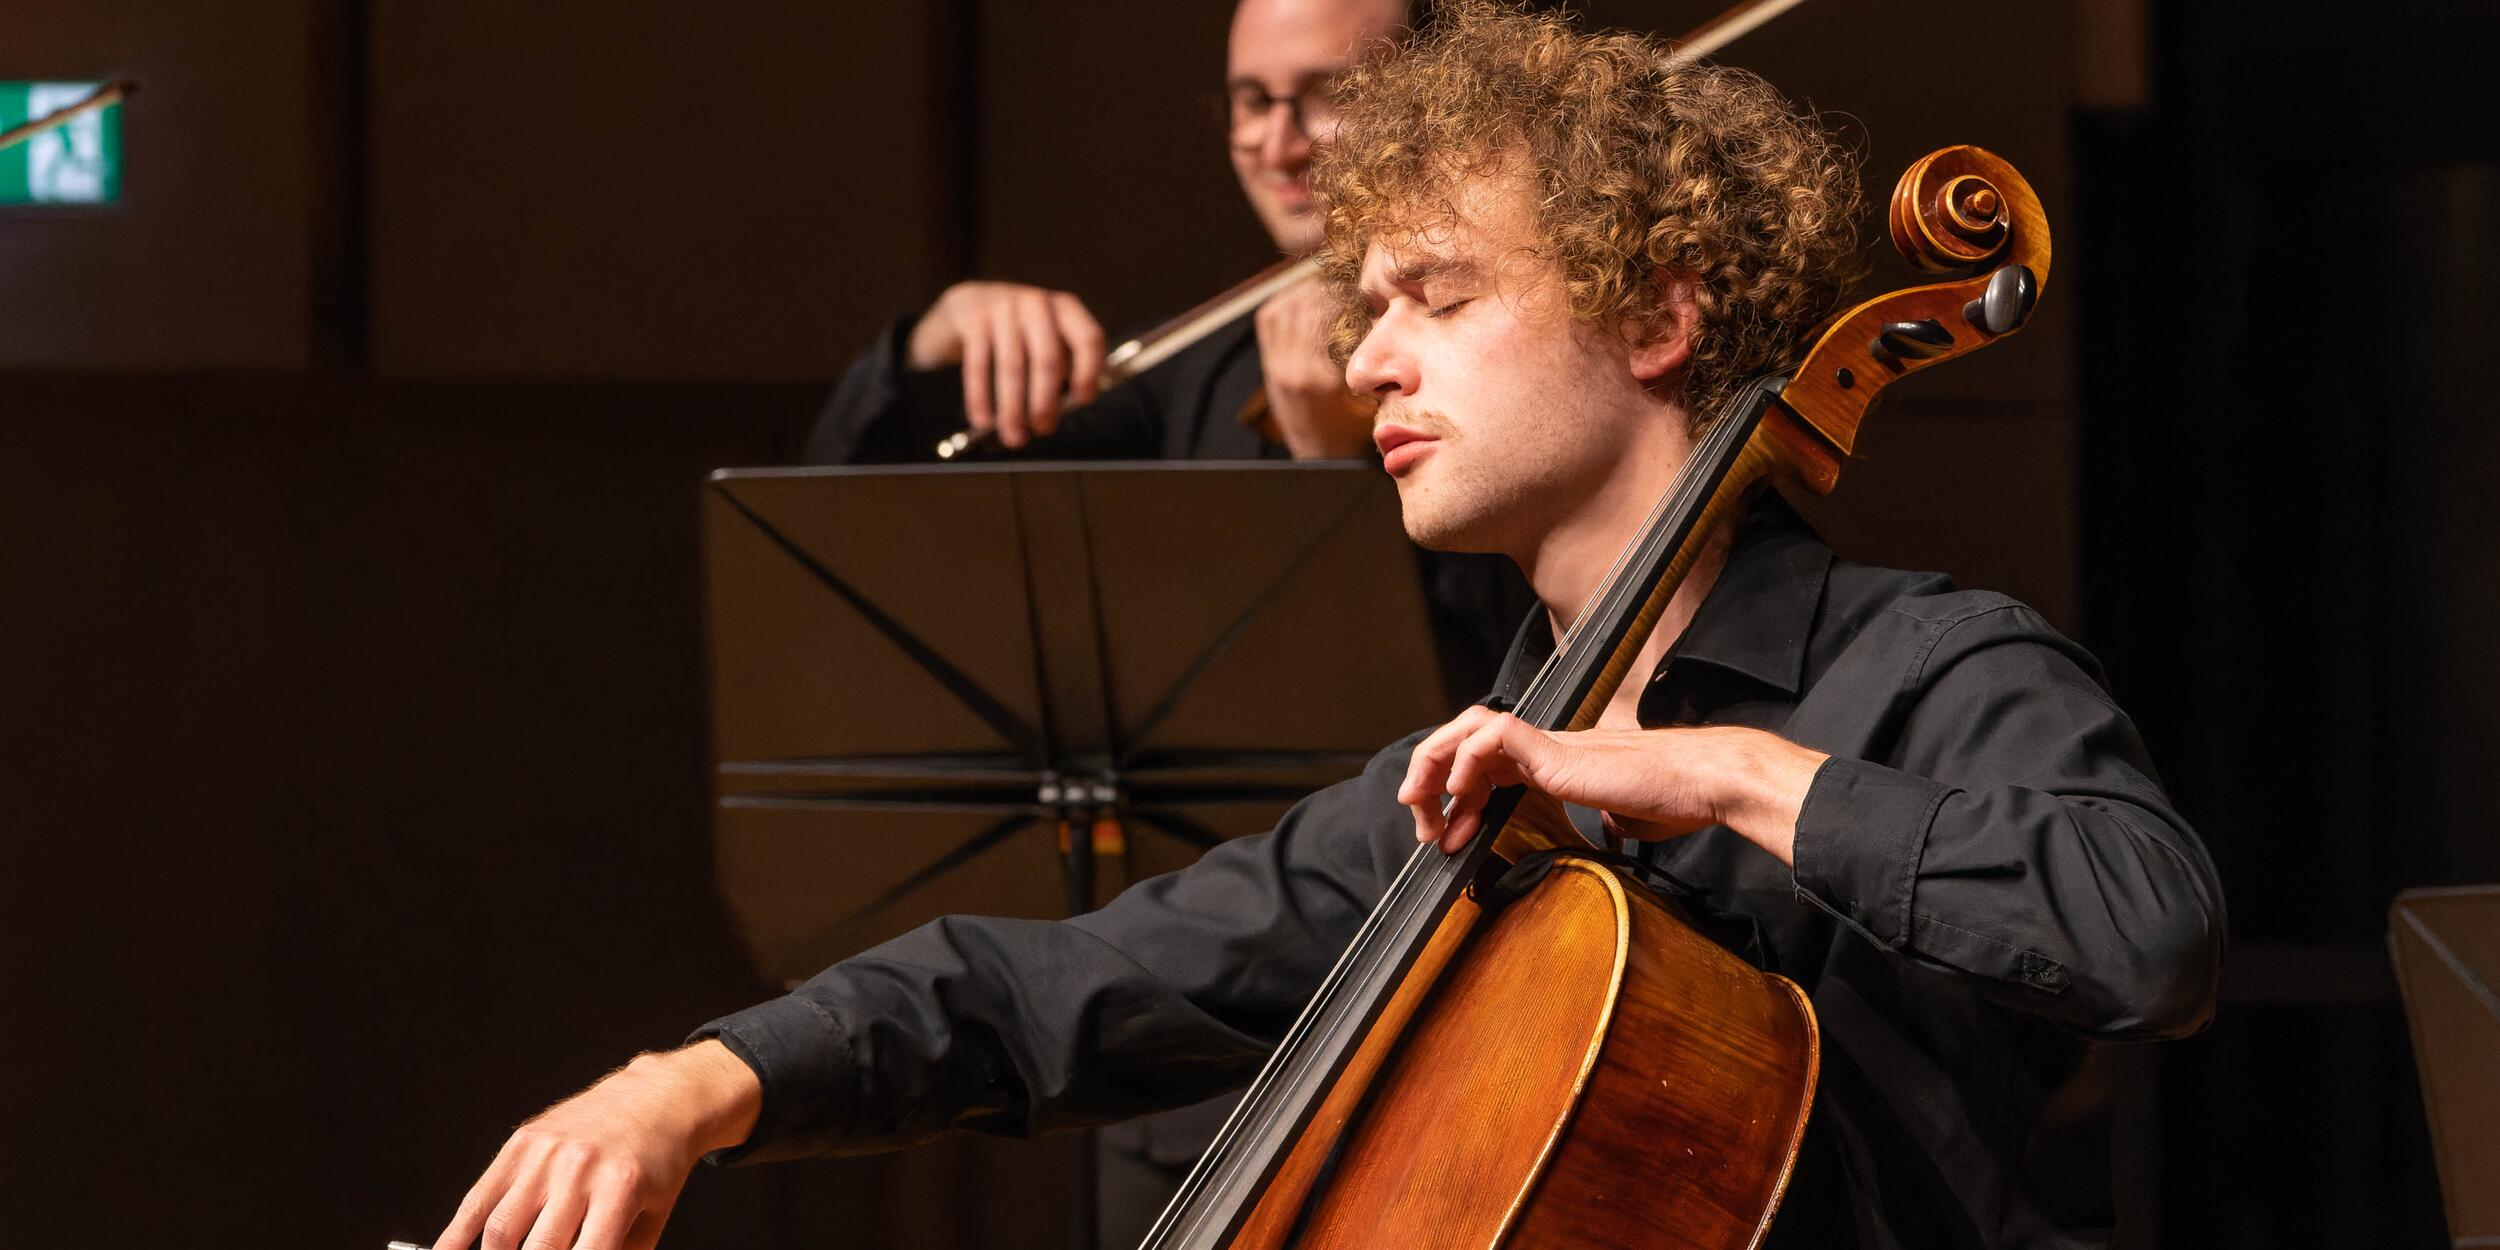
<point x="1026" y="352"/>
<point x="602" y="1169"/>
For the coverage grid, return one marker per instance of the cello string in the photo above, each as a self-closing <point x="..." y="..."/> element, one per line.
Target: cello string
<point x="1188" y="1211"/>
<point x="1557" y="681"/>
<point x="1292" y="1080"/>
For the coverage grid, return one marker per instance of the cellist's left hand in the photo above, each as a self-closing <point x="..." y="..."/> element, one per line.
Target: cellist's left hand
<point x="1651" y="783"/>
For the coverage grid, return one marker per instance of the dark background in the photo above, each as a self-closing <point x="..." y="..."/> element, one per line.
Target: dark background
<point x="353" y="795"/>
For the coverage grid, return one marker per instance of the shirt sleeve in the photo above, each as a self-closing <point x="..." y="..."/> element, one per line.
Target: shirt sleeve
<point x="883" y="413"/>
<point x="2019" y="835"/>
<point x="880" y="412"/>
<point x="1174" y="992"/>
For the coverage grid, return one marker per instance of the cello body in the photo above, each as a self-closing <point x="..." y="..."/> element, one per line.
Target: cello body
<point x="1624" y="1081"/>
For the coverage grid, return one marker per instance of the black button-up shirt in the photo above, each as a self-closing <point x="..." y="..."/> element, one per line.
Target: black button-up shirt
<point x="1989" y="889"/>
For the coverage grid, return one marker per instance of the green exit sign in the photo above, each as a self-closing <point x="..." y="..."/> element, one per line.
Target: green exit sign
<point x="76" y="162"/>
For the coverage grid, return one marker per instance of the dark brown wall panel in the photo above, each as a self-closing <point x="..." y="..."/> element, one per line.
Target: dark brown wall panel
<point x="204" y="261"/>
<point x="580" y="188"/>
<point x="1103" y="171"/>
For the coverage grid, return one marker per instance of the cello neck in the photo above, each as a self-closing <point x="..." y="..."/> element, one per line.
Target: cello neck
<point x="1596" y="654"/>
<point x="1404" y="932"/>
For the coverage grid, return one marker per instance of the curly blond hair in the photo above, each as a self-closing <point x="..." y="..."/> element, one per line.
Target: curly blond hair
<point x="1642" y="169"/>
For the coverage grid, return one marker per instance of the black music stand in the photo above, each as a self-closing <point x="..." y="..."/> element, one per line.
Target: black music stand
<point x="2446" y="945"/>
<point x="1012" y="689"/>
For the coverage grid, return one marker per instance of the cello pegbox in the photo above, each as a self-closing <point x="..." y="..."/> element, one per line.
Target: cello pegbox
<point x="1959" y="210"/>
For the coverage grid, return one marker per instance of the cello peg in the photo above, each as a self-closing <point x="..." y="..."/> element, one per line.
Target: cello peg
<point x="1911" y="340"/>
<point x="2006" y="305"/>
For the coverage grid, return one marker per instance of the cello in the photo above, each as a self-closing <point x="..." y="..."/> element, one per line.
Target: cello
<point x="1619" y="1071"/>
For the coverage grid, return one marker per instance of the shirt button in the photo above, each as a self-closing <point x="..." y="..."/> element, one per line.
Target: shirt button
<point x="2041" y="971"/>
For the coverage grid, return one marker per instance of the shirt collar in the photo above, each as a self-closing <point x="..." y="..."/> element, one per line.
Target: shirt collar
<point x="1754" y="622"/>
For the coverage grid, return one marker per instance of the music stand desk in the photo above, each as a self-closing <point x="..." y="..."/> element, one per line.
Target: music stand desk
<point x="974" y="688"/>
<point x="2446" y="946"/>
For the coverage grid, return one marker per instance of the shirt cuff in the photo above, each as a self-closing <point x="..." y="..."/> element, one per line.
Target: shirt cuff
<point x="894" y="347"/>
<point x="1860" y="834"/>
<point x="801" y="1055"/>
<point x="881" y="384"/>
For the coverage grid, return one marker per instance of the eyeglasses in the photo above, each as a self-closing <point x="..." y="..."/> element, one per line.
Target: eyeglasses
<point x="1246" y="110"/>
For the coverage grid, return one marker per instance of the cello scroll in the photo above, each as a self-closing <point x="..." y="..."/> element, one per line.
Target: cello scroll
<point x="1957" y="210"/>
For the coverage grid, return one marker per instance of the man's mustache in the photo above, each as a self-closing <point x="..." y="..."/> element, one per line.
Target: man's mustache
<point x="1423" y="421"/>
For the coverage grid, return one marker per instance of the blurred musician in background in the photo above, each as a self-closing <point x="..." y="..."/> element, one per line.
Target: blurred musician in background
<point x="1026" y="362"/>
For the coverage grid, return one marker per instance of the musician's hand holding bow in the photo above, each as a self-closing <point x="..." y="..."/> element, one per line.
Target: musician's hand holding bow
<point x="1027" y="354"/>
<point x="1651" y="783"/>
<point x="1317" y="416"/>
<point x="602" y="1169"/>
